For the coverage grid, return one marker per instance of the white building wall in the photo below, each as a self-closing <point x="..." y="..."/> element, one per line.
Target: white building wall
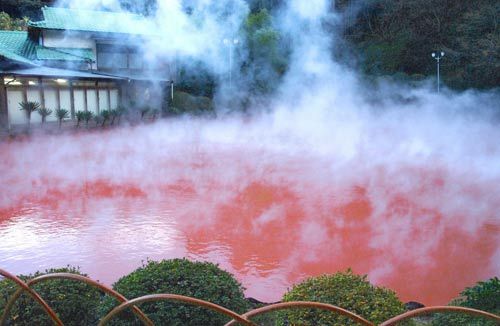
<point x="34" y="96"/>
<point x="79" y="100"/>
<point x="51" y="103"/>
<point x="65" y="99"/>
<point x="16" y="116"/>
<point x="92" y="100"/>
<point x="114" y="98"/>
<point x="103" y="100"/>
<point x="15" y="97"/>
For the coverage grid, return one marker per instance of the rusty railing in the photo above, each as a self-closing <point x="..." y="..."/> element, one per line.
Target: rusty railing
<point x="243" y="319"/>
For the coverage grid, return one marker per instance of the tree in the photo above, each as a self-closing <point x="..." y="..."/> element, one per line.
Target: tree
<point x="392" y="37"/>
<point x="144" y="7"/>
<point x="44" y="113"/>
<point x="267" y="56"/>
<point x="12" y="24"/>
<point x="21" y="8"/>
<point x="61" y="114"/>
<point x="87" y="117"/>
<point x="105" y="116"/>
<point x="29" y="107"/>
<point x="80" y="116"/>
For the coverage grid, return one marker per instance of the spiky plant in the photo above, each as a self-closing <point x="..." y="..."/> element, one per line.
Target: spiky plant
<point x="121" y="111"/>
<point x="97" y="118"/>
<point x="155" y="113"/>
<point x="80" y="116"/>
<point x="61" y="114"/>
<point x="29" y="107"/>
<point x="44" y="113"/>
<point x="105" y="116"/>
<point x="115" y="113"/>
<point x="88" y="115"/>
<point x="144" y="111"/>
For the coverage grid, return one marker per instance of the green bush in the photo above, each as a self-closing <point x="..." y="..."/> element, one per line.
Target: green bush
<point x="75" y="302"/>
<point x="186" y="103"/>
<point x="199" y="280"/>
<point x="483" y="296"/>
<point x="343" y="289"/>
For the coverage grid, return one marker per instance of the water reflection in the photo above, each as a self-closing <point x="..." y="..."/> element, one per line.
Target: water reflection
<point x="427" y="233"/>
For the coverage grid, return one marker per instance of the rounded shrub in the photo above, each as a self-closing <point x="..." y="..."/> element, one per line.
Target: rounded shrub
<point x="482" y="296"/>
<point x="201" y="280"/>
<point x="74" y="302"/>
<point x="345" y="290"/>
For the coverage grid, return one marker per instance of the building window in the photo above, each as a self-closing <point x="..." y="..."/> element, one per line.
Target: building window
<point x="110" y="56"/>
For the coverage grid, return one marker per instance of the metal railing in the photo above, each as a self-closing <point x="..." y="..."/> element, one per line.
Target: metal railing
<point x="243" y="319"/>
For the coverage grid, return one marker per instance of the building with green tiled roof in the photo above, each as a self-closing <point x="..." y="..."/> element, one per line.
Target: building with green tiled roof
<point x="97" y="54"/>
<point x="94" y="21"/>
<point x="17" y="46"/>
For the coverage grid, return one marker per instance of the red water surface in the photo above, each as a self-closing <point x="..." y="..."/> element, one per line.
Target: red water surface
<point x="270" y="217"/>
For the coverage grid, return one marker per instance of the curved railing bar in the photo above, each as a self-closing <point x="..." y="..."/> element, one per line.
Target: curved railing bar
<point x="428" y="310"/>
<point x="74" y="277"/>
<point x="175" y="297"/>
<point x="304" y="304"/>
<point x="36" y="296"/>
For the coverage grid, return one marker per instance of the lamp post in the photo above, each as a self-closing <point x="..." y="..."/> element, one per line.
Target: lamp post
<point x="230" y="43"/>
<point x="438" y="56"/>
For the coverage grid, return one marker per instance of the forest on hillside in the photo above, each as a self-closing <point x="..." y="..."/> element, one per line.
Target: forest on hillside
<point x="379" y="37"/>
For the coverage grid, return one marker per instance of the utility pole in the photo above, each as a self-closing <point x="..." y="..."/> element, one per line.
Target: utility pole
<point x="230" y="43"/>
<point x="438" y="56"/>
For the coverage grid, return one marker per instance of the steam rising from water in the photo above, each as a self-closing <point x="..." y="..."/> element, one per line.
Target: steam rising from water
<point x="398" y="182"/>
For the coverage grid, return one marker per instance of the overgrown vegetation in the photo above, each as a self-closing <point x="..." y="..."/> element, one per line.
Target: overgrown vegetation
<point x="397" y="37"/>
<point x="75" y="302"/>
<point x="12" y="24"/>
<point x="343" y="289"/>
<point x="267" y="56"/>
<point x="482" y="296"/>
<point x="204" y="281"/>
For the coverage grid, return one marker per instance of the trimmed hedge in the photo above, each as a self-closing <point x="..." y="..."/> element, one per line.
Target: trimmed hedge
<point x="343" y="289"/>
<point x="74" y="302"/>
<point x="201" y="280"/>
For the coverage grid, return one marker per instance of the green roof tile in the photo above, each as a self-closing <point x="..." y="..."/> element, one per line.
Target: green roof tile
<point x="17" y="46"/>
<point x="66" y="54"/>
<point x="94" y="21"/>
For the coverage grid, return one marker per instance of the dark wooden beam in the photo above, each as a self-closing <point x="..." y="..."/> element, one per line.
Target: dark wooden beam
<point x="4" y="111"/>
<point x="72" y="99"/>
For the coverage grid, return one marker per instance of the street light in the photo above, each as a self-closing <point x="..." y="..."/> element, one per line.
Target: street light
<point x="438" y="56"/>
<point x="230" y="43"/>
